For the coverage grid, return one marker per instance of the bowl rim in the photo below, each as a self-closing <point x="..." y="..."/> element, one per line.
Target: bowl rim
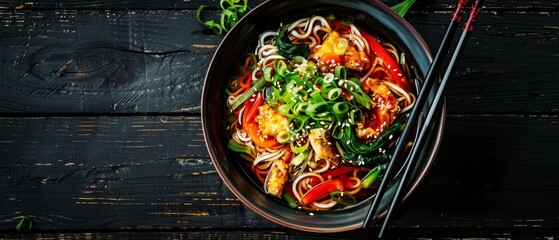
<point x="236" y="191"/>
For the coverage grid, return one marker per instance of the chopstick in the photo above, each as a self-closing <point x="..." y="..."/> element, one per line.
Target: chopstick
<point x="419" y="105"/>
<point x="417" y="109"/>
<point x="424" y="132"/>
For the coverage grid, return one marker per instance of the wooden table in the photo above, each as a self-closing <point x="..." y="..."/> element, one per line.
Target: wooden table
<point x="101" y="135"/>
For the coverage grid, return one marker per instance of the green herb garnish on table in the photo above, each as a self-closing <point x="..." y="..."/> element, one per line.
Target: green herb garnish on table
<point x="403" y="7"/>
<point x="233" y="10"/>
<point x="24" y="223"/>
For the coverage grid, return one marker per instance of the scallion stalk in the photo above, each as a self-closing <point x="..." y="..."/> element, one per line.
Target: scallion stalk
<point x="373" y="176"/>
<point x="252" y="90"/>
<point x="238" y="147"/>
<point x="289" y="200"/>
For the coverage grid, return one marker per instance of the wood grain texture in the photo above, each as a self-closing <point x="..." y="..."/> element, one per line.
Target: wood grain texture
<point x="100" y="136"/>
<point x="95" y="61"/>
<point x="152" y="172"/>
<point x="245" y="234"/>
<point x="83" y="61"/>
<point x="193" y="4"/>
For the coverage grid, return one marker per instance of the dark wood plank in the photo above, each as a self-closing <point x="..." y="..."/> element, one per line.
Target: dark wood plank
<point x="399" y="233"/>
<point x="155" y="61"/>
<point x="113" y="173"/>
<point x="96" y="61"/>
<point x="193" y="4"/>
<point x="508" y="65"/>
<point x="152" y="172"/>
<point x="491" y="172"/>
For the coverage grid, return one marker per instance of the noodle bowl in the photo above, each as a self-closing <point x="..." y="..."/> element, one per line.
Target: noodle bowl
<point x="238" y="171"/>
<point x="315" y="108"/>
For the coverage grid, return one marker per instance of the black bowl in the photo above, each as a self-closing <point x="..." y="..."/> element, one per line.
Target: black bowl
<point x="267" y="16"/>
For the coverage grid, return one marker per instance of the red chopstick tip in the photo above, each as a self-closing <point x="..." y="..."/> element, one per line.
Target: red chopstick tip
<point x="474" y="13"/>
<point x="458" y="11"/>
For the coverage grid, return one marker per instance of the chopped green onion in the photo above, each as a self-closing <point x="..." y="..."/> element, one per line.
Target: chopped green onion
<point x="316" y="108"/>
<point x="289" y="200"/>
<point x="268" y="74"/>
<point x="252" y="90"/>
<point x="373" y="176"/>
<point x="337" y="134"/>
<point x="283" y="136"/>
<point x="297" y="60"/>
<point x="334" y="93"/>
<point x="340" y="108"/>
<point x="357" y="91"/>
<point x="328" y="78"/>
<point x="300" y="158"/>
<point x="317" y="97"/>
<point x="340" y="72"/>
<point x="343" y="198"/>
<point x="299" y="122"/>
<point x="299" y="149"/>
<point x="238" y="147"/>
<point x="280" y="67"/>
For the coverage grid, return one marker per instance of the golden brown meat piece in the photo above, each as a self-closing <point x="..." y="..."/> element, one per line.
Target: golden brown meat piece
<point x="277" y="178"/>
<point x="347" y="54"/>
<point x="322" y="146"/>
<point x="270" y="122"/>
<point x="355" y="60"/>
<point x="380" y="117"/>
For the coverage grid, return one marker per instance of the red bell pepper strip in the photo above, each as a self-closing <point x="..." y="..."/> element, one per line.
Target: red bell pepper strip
<point x="395" y="74"/>
<point x="333" y="174"/>
<point x="340" y="173"/>
<point x="345" y="179"/>
<point x="337" y="172"/>
<point x="340" y="27"/>
<point x="321" y="190"/>
<point x="251" y="126"/>
<point x="314" y="181"/>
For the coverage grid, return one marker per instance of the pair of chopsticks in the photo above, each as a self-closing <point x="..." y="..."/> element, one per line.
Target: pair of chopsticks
<point x="426" y="89"/>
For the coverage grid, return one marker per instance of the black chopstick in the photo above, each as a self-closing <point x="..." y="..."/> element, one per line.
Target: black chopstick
<point x="417" y="109"/>
<point x="423" y="134"/>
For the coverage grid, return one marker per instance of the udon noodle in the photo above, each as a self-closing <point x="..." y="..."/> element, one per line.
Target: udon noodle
<point x="315" y="109"/>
